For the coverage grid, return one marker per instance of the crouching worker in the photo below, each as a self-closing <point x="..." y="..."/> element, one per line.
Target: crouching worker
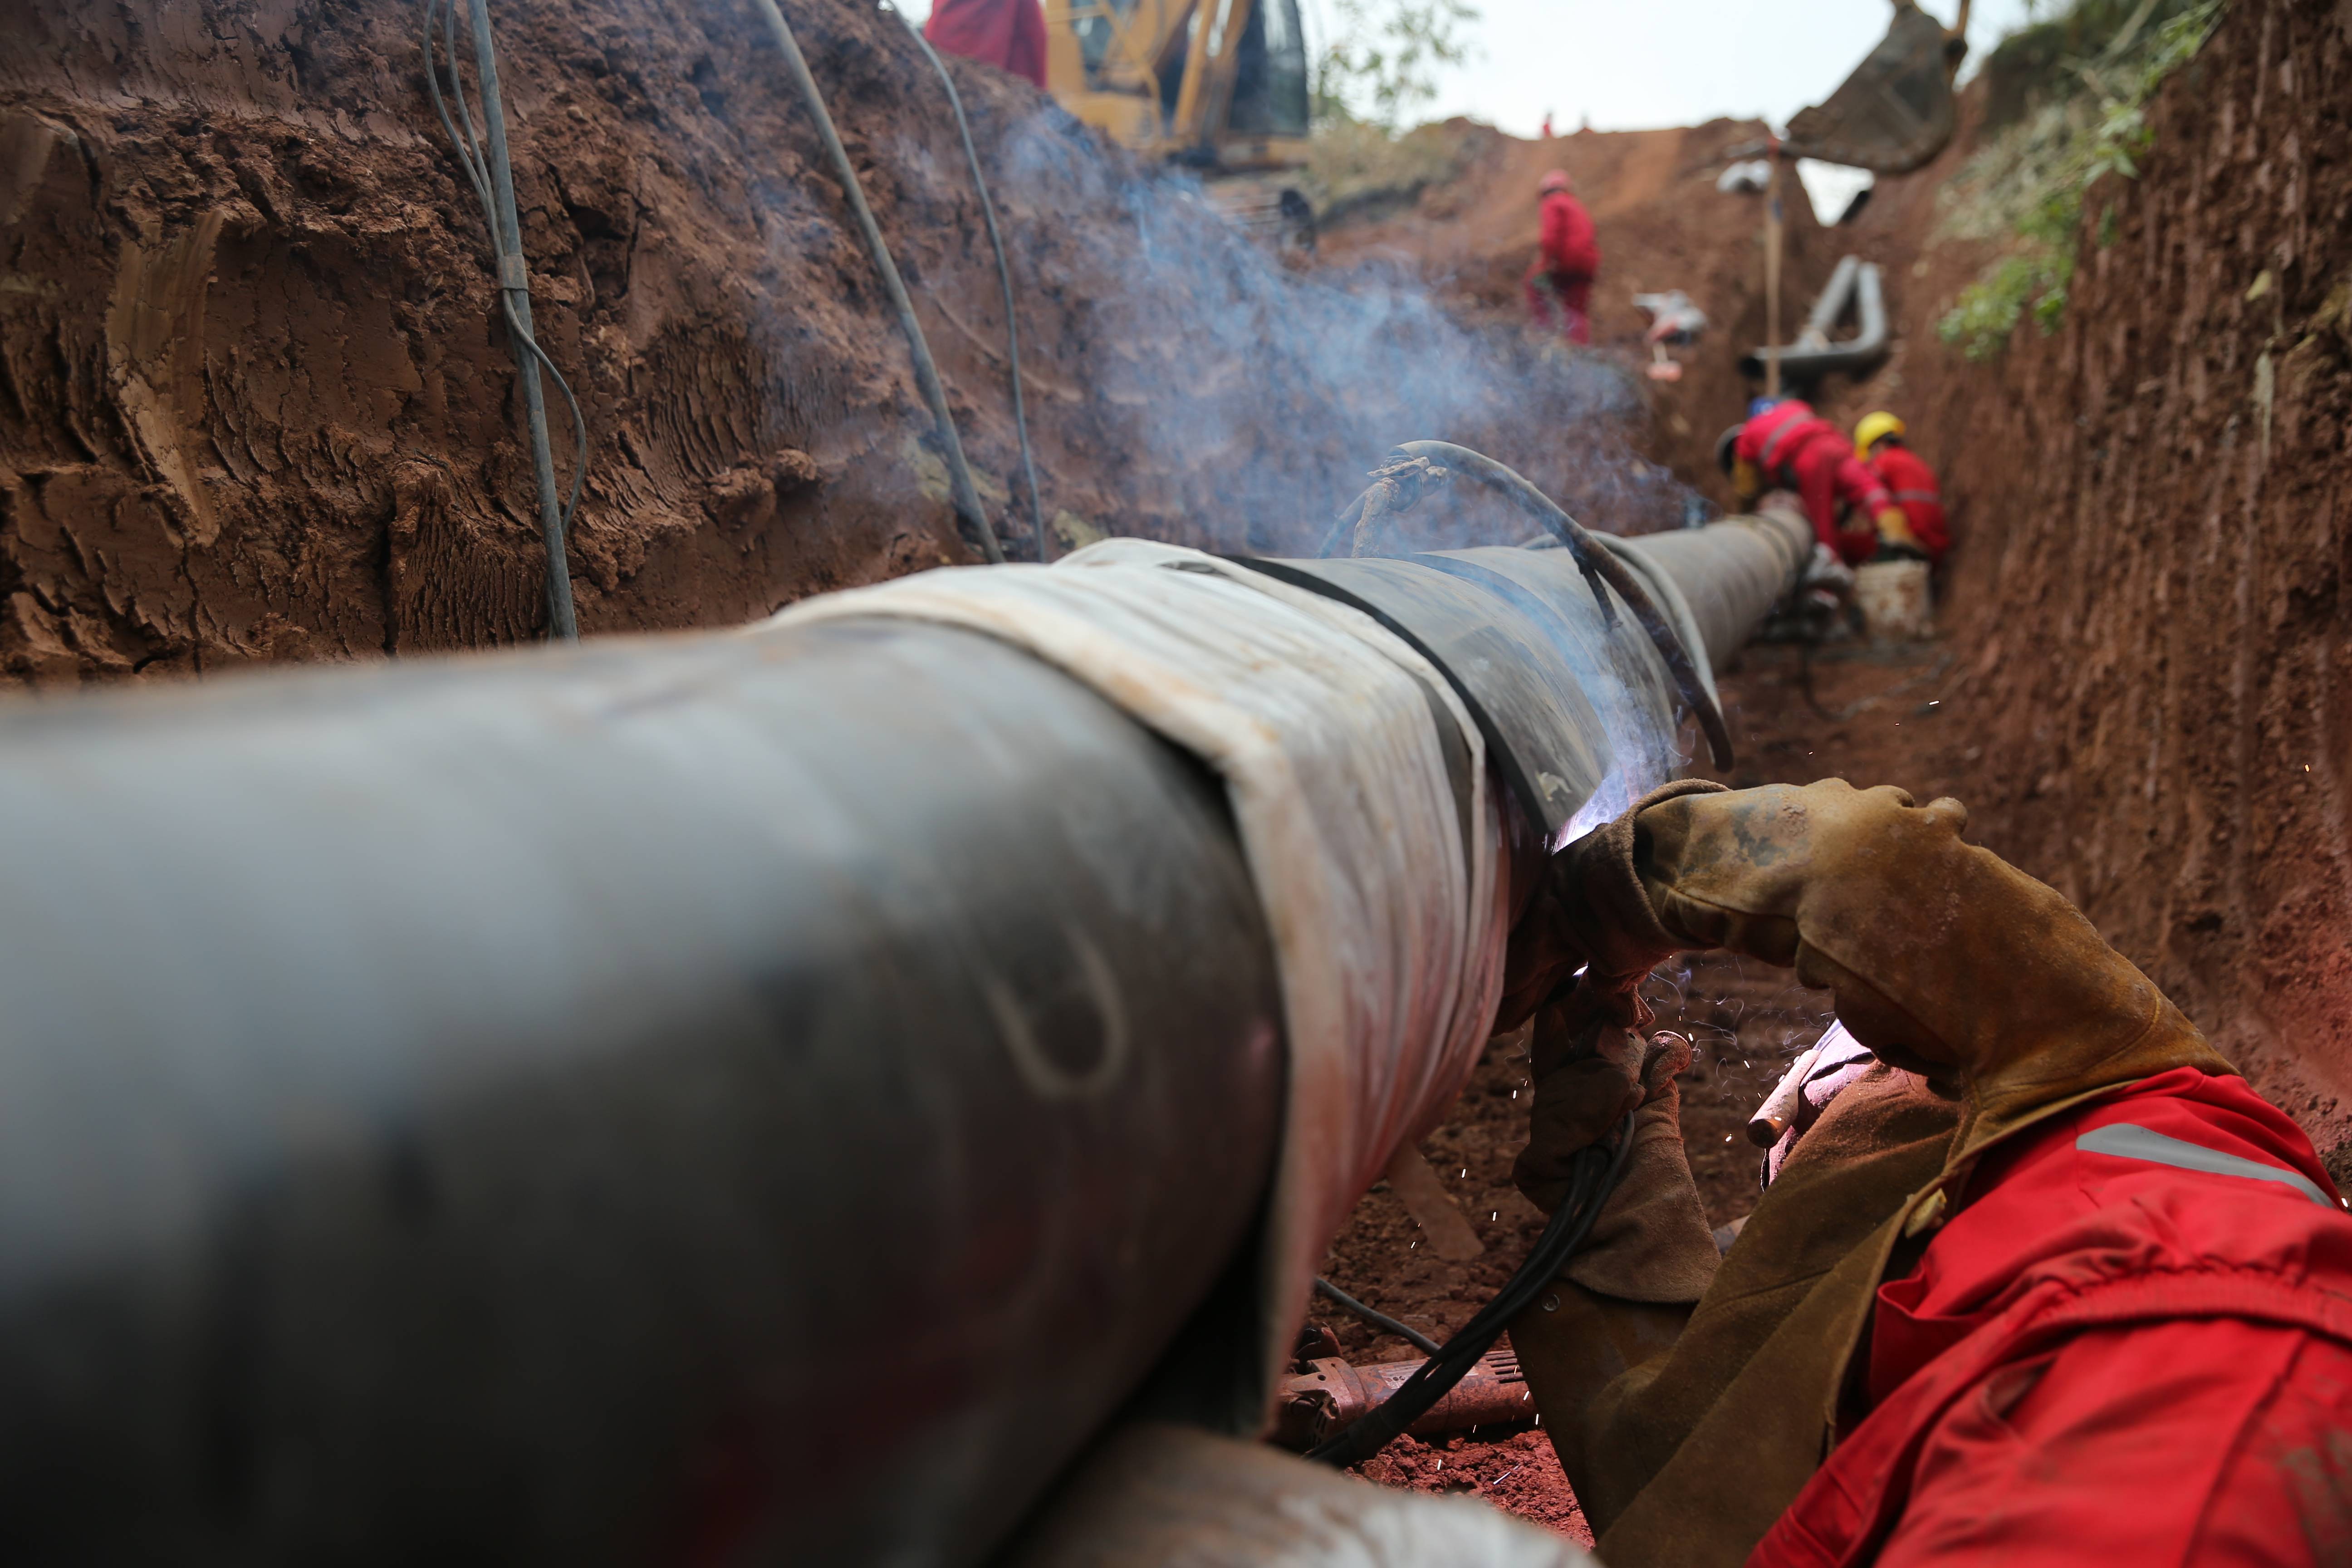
<point x="1879" y="442"/>
<point x="1784" y="444"/>
<point x="2049" y="1285"/>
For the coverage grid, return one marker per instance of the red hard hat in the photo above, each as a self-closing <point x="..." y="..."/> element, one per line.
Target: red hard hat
<point x="1557" y="180"/>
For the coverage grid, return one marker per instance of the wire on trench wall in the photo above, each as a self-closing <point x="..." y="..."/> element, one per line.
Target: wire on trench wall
<point x="492" y="173"/>
<point x="1003" y="277"/>
<point x="965" y="495"/>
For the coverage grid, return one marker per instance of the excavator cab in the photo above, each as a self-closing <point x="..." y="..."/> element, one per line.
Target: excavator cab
<point x="1220" y="85"/>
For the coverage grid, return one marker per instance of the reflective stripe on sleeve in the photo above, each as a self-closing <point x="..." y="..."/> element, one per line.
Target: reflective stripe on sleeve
<point x="2129" y="1141"/>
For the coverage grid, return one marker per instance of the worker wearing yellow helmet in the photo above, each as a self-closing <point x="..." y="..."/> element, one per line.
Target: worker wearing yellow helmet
<point x="1878" y="442"/>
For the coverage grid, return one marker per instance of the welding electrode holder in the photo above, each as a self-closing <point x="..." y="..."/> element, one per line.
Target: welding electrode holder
<point x="1598" y="1171"/>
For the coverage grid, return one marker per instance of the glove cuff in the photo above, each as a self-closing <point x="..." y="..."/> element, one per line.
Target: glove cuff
<point x="1596" y="881"/>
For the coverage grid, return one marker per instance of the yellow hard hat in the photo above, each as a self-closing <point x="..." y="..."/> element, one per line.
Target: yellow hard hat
<point x="1868" y="433"/>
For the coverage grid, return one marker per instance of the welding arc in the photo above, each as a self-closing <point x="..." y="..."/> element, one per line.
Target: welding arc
<point x="1599" y="566"/>
<point x="493" y="184"/>
<point x="966" y="497"/>
<point x="1004" y="277"/>
<point x="1594" y="1178"/>
<point x="1376" y="1318"/>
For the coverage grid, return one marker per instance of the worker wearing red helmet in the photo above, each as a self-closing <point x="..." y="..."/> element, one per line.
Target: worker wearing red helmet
<point x="1559" y="285"/>
<point x="1878" y="441"/>
<point x="1785" y="445"/>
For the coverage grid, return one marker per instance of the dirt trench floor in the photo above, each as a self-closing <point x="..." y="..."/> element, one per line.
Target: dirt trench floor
<point x="1869" y="717"/>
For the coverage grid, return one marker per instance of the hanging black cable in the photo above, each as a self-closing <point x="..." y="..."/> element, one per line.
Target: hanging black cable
<point x="965" y="495"/>
<point x="491" y="175"/>
<point x="1594" y="1178"/>
<point x="1376" y="1318"/>
<point x="1004" y="277"/>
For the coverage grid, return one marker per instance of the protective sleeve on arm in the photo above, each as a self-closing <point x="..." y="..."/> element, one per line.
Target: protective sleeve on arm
<point x="2195" y="1441"/>
<point x="1944" y="958"/>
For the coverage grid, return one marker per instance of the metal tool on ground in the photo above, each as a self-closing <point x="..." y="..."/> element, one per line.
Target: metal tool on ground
<point x="1327" y="1396"/>
<point x="964" y="495"/>
<point x="1004" y="277"/>
<point x="492" y="173"/>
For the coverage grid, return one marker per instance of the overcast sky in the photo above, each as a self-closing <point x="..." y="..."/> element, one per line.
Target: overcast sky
<point x="1633" y="66"/>
<point x="1630" y="65"/>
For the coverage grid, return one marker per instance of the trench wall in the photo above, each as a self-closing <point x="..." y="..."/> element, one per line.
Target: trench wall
<point x="2155" y="712"/>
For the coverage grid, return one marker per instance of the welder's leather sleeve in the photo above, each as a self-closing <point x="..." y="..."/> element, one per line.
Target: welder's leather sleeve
<point x="1944" y="958"/>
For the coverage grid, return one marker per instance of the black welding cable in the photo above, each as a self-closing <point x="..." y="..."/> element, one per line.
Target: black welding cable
<point x="1595" y="1177"/>
<point x="1003" y="277"/>
<point x="927" y="374"/>
<point x="1376" y="1318"/>
<point x="511" y="279"/>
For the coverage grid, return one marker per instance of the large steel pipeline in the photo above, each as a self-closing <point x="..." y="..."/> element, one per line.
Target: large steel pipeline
<point x="729" y="1097"/>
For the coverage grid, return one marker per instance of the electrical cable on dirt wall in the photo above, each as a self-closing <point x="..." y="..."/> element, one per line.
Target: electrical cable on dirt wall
<point x="492" y="173"/>
<point x="966" y="497"/>
<point x="1004" y="277"/>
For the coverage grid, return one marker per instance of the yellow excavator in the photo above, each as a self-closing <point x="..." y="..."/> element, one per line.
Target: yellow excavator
<point x="1218" y="85"/>
<point x="1223" y="87"/>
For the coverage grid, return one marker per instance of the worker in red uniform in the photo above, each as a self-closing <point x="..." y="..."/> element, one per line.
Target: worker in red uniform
<point x="1878" y="441"/>
<point x="2050" y="1284"/>
<point x="1785" y="445"/>
<point x="1559" y="285"/>
<point x="1007" y="34"/>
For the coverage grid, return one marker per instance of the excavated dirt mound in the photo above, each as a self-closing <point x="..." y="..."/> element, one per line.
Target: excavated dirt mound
<point x="256" y="406"/>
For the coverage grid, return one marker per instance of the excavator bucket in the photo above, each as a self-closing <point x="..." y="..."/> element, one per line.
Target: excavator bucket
<point x="1896" y="112"/>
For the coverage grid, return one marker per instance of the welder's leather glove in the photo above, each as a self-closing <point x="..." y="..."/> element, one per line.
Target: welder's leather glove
<point x="1746" y="481"/>
<point x="1652" y="1241"/>
<point x="1590" y="913"/>
<point x="1895" y="527"/>
<point x="1944" y="958"/>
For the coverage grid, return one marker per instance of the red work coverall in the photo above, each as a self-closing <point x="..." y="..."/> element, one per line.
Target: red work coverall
<point x="1794" y="447"/>
<point x="1912" y="484"/>
<point x="1007" y="34"/>
<point x="2132" y="1344"/>
<point x="1571" y="260"/>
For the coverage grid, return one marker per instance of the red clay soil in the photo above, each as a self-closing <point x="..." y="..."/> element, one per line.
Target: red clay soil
<point x="1662" y="225"/>
<point x="253" y="405"/>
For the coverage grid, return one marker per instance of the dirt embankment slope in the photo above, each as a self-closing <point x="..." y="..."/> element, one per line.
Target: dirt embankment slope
<point x="2153" y="709"/>
<point x="1662" y="226"/>
<point x="253" y="405"/>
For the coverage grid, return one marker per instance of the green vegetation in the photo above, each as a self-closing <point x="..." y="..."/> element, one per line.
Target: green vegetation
<point x="2068" y="98"/>
<point x="1355" y="167"/>
<point x="1381" y="60"/>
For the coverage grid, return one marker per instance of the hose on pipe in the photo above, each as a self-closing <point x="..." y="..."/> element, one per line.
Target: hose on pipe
<point x="965" y="496"/>
<point x="1004" y="277"/>
<point x="1427" y="459"/>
